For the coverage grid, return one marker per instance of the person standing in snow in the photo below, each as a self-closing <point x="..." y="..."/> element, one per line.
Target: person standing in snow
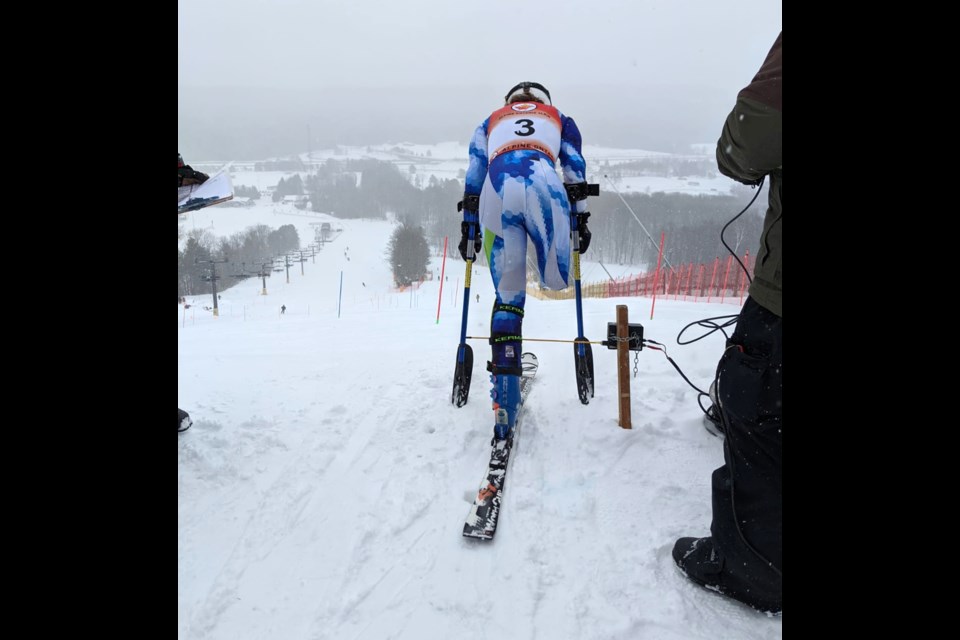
<point x="186" y="176"/>
<point x="513" y="190"/>
<point x="743" y="558"/>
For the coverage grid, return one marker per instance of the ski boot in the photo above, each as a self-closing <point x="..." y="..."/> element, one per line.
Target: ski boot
<point x="505" y="340"/>
<point x="506" y="404"/>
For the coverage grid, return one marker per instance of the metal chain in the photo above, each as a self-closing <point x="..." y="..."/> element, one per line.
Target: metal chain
<point x="636" y="357"/>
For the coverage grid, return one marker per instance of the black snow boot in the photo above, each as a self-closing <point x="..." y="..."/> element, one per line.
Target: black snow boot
<point x="700" y="560"/>
<point x="183" y="421"/>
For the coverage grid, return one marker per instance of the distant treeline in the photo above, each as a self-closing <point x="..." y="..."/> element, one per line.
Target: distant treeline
<point x="372" y="188"/>
<point x="245" y="251"/>
<point x="691" y="223"/>
<point x="243" y="191"/>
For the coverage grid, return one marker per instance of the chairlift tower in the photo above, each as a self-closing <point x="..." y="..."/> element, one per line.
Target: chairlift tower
<point x="212" y="279"/>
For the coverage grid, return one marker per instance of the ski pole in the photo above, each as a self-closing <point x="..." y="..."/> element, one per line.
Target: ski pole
<point x="463" y="372"/>
<point x="582" y="351"/>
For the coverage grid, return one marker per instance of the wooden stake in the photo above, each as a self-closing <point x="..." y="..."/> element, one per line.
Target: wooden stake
<point x="623" y="365"/>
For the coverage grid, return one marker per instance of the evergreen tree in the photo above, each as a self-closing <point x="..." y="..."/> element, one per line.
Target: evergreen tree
<point x="408" y="253"/>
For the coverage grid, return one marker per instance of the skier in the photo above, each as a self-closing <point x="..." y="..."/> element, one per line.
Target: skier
<point x="743" y="558"/>
<point x="187" y="175"/>
<point x="283" y="309"/>
<point x="513" y="190"/>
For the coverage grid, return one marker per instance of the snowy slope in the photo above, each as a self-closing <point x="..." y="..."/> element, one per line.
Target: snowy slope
<point x="322" y="490"/>
<point x="225" y="221"/>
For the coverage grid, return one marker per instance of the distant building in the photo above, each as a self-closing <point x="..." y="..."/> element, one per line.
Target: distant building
<point x="300" y="202"/>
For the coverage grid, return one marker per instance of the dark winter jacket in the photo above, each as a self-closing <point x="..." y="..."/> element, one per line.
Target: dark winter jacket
<point x="751" y="147"/>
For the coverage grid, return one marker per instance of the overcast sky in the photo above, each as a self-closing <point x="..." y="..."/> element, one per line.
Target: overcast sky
<point x="318" y="48"/>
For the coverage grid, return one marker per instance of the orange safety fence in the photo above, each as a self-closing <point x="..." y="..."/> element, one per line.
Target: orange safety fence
<point x="721" y="280"/>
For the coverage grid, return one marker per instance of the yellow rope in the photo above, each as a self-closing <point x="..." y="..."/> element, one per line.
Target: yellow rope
<point x="526" y="339"/>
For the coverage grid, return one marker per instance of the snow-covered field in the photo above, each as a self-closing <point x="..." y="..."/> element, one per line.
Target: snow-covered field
<point x="322" y="489"/>
<point x="716" y="185"/>
<point x="225" y="221"/>
<point x="448" y="160"/>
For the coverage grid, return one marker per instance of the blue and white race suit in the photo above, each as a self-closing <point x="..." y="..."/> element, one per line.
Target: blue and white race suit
<point x="513" y="156"/>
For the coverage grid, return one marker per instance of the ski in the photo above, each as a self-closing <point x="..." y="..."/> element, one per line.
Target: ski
<point x="215" y="190"/>
<point x="481" y="522"/>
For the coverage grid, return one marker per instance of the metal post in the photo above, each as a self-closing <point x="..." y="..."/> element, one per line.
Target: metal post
<point x="213" y="281"/>
<point x="213" y="277"/>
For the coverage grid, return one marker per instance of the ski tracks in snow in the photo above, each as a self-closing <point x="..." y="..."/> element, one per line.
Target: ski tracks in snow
<point x="370" y="468"/>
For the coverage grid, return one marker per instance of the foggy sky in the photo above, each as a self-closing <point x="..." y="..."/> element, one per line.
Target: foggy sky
<point x="253" y="75"/>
